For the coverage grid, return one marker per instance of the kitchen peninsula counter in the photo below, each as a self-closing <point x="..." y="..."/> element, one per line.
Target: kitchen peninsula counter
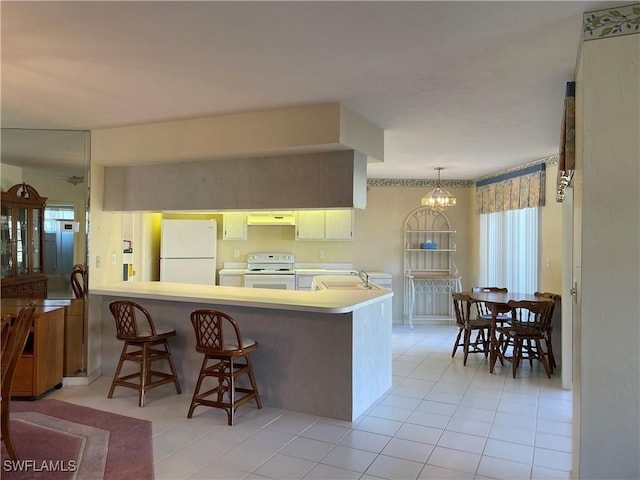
<point x="324" y="353"/>
<point x="344" y="301"/>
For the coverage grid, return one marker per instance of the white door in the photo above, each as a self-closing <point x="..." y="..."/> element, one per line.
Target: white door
<point x="200" y="271"/>
<point x="188" y="239"/>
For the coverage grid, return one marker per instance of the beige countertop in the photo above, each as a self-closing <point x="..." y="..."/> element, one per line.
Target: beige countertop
<point x="324" y="301"/>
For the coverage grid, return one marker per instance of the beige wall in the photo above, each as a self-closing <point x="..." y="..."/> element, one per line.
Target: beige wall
<point x="551" y="237"/>
<point x="607" y="380"/>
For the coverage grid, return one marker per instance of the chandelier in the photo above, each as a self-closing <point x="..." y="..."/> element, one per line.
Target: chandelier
<point x="439" y="198"/>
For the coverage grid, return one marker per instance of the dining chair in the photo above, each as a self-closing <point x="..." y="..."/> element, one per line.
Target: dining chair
<point x="143" y="345"/>
<point x="218" y="337"/>
<point x="77" y="280"/>
<point x="483" y="309"/>
<point x="522" y="337"/>
<point x="549" y="332"/>
<point x="14" y="338"/>
<point x="467" y="326"/>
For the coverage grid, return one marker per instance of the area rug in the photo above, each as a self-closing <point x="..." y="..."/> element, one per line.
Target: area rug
<point x="62" y="441"/>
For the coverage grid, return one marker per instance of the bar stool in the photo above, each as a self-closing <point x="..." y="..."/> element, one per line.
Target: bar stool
<point x="222" y="348"/>
<point x="140" y="335"/>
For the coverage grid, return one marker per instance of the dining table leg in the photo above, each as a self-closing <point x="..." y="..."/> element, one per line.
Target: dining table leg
<point x="493" y="341"/>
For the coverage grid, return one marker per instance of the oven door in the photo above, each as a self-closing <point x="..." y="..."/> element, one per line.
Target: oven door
<point x="265" y="280"/>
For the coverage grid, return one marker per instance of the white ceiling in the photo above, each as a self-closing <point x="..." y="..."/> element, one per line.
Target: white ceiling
<point x="475" y="87"/>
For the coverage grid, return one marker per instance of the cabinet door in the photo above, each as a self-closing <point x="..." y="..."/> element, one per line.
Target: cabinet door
<point x="7" y="242"/>
<point x="234" y="226"/>
<point x="338" y="225"/>
<point x="232" y="280"/>
<point x="37" y="255"/>
<point x="23" y="248"/>
<point x="310" y="225"/>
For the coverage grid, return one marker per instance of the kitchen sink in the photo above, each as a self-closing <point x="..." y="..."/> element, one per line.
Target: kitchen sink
<point x="348" y="286"/>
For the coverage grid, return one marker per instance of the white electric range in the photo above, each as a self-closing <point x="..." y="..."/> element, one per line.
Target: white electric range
<point x="270" y="270"/>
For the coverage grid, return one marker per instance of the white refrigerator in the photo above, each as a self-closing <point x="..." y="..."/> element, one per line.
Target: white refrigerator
<point x="188" y="251"/>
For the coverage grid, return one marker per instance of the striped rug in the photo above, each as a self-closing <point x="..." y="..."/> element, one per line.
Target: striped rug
<point x="61" y="441"/>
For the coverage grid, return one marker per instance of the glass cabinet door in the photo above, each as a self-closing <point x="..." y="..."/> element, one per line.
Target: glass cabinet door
<point x="37" y="259"/>
<point x="22" y="242"/>
<point x="6" y="242"/>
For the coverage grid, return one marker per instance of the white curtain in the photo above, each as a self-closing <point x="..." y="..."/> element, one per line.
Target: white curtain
<point x="509" y="249"/>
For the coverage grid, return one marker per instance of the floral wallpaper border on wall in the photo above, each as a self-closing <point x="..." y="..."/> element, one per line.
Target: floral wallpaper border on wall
<point x="611" y="22"/>
<point x="419" y="182"/>
<point x="402" y="182"/>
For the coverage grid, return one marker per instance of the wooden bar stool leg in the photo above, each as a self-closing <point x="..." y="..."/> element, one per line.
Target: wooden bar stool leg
<point x="252" y="379"/>
<point x="144" y="374"/>
<point x="232" y="392"/>
<point x="196" y="391"/>
<point x="118" y="369"/>
<point x="172" y="367"/>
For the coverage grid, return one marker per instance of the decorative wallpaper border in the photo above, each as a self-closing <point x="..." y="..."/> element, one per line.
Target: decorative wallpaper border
<point x="419" y="182"/>
<point x="611" y="22"/>
<point x="416" y="182"/>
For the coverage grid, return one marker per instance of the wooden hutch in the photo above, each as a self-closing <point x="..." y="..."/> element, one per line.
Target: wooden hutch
<point x="22" y="243"/>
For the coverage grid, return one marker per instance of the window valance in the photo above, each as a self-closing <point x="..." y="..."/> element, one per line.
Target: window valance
<point x="511" y="191"/>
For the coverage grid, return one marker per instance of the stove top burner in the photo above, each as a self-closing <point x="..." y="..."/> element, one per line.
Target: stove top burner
<point x="270" y="270"/>
<point x="271" y="263"/>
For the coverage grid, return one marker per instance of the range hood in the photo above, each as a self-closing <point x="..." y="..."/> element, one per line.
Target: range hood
<point x="271" y="218"/>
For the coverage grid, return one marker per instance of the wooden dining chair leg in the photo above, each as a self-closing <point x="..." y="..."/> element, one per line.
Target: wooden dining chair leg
<point x="517" y="354"/>
<point x="467" y="340"/>
<point x="552" y="358"/>
<point x="456" y="343"/>
<point x="543" y="358"/>
<point x="6" y="431"/>
<point x="483" y="338"/>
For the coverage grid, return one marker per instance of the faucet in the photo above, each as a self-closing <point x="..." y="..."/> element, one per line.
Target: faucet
<point x="365" y="278"/>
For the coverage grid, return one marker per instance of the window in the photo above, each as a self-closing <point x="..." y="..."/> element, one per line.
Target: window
<point x="509" y="249"/>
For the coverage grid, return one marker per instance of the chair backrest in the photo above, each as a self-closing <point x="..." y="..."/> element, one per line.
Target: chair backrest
<point x="129" y="325"/>
<point x="489" y="289"/>
<point x="15" y="338"/>
<point x="553" y="296"/>
<point x="530" y="314"/>
<point x="77" y="280"/>
<point x="462" y="306"/>
<point x="483" y="309"/>
<point x="215" y="331"/>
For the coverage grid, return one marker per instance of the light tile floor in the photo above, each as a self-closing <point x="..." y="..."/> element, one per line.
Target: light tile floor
<point x="440" y="420"/>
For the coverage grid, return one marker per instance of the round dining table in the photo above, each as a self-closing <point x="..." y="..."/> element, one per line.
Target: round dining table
<point x="497" y="302"/>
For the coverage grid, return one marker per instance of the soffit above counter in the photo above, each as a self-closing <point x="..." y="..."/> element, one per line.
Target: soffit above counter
<point x="317" y="128"/>
<point x="327" y="180"/>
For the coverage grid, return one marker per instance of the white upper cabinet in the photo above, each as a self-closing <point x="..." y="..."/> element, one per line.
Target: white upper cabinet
<point x="234" y="226"/>
<point x="324" y="225"/>
<point x="338" y="225"/>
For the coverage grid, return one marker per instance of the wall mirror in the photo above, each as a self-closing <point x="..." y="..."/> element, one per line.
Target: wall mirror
<point x="57" y="164"/>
